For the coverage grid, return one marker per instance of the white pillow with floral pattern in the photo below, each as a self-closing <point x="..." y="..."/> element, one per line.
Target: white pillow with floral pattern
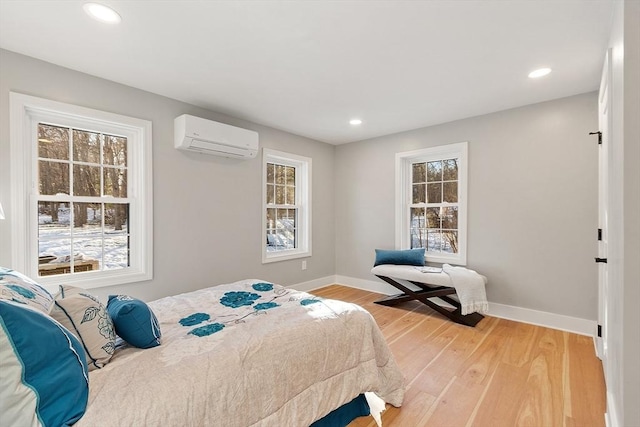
<point x="86" y="317"/>
<point x="17" y="287"/>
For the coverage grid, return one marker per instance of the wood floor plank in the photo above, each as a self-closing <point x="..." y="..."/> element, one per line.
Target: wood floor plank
<point x="502" y="399"/>
<point x="543" y="402"/>
<point x="477" y="366"/>
<point x="412" y="409"/>
<point x="455" y="406"/>
<point x="519" y="341"/>
<point x="346" y="294"/>
<point x="363" y="422"/>
<point x="438" y="373"/>
<point x="586" y="376"/>
<point x="411" y="321"/>
<point x="414" y="353"/>
<point x="499" y="374"/>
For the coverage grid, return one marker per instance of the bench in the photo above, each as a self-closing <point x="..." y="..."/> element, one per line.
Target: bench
<point x="429" y="285"/>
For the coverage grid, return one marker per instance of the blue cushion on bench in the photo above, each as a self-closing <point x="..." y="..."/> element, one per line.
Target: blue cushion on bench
<point x="400" y="257"/>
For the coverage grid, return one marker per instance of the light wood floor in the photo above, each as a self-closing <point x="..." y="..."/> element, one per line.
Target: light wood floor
<point x="500" y="373"/>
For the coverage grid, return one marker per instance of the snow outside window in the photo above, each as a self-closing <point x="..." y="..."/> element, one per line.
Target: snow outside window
<point x="431" y="193"/>
<point x="286" y="206"/>
<point x="83" y="208"/>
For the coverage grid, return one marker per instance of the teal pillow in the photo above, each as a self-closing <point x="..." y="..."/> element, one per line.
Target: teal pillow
<point x="401" y="257"/>
<point x="134" y="321"/>
<point x="44" y="371"/>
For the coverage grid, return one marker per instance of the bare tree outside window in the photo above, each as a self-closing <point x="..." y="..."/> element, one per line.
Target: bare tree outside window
<point x="433" y="210"/>
<point x="83" y="210"/>
<point x="282" y="212"/>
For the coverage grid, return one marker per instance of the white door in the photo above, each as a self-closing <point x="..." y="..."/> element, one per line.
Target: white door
<point x="603" y="205"/>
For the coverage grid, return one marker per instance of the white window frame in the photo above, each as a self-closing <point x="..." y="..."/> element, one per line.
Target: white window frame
<point x="404" y="161"/>
<point x="25" y="114"/>
<point x="303" y="201"/>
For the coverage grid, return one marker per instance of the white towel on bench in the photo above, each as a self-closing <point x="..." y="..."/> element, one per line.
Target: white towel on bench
<point x="469" y="288"/>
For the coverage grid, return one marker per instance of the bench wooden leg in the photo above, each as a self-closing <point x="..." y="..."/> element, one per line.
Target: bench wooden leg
<point x="424" y="295"/>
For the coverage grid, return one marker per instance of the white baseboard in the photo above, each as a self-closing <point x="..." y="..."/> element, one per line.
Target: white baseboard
<point x="599" y="346"/>
<point x="314" y="284"/>
<point x="611" y="418"/>
<point x="367" y="285"/>
<point x="543" y="318"/>
<point x="518" y="314"/>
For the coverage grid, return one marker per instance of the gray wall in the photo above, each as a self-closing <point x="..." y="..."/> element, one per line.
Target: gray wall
<point x="532" y="195"/>
<point x="207" y="209"/>
<point x="631" y="367"/>
<point x="532" y="202"/>
<point x="622" y="317"/>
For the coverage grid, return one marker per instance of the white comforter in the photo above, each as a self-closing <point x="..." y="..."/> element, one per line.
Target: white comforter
<point x="245" y="354"/>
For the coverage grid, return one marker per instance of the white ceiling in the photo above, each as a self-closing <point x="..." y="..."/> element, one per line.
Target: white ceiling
<point x="308" y="67"/>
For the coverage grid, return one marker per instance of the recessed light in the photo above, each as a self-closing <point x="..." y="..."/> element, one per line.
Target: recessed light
<point x="355" y="121"/>
<point x="539" y="73"/>
<point x="102" y="13"/>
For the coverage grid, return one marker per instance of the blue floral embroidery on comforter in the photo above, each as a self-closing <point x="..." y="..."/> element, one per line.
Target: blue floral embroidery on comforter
<point x="262" y="287"/>
<point x="206" y="330"/>
<point x="266" y="305"/>
<point x="238" y="299"/>
<point x="256" y="304"/>
<point x="194" y="319"/>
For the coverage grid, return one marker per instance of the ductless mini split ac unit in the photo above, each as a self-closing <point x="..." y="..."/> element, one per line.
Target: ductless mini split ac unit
<point x="219" y="139"/>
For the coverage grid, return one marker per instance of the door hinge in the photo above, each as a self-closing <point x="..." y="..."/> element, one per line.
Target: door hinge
<point x="599" y="331"/>
<point x="604" y="260"/>
<point x="599" y="136"/>
<point x="599" y="233"/>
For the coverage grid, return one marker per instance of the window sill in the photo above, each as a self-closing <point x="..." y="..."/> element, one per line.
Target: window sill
<point x="270" y="257"/>
<point x="92" y="279"/>
<point x="439" y="258"/>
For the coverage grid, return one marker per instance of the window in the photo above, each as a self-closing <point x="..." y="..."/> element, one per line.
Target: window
<point x="431" y="197"/>
<point x="83" y="207"/>
<point x="286" y="206"/>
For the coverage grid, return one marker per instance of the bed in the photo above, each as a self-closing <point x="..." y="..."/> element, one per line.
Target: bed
<point x="250" y="353"/>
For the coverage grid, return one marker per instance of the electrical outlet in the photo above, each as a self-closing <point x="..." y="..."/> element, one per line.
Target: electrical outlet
<point x="304" y="265"/>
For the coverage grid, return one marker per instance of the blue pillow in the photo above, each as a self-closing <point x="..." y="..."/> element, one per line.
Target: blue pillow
<point x="44" y="371"/>
<point x="134" y="321"/>
<point x="402" y="257"/>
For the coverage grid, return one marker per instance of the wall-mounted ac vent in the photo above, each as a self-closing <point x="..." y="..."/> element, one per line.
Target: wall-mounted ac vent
<point x="208" y="137"/>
